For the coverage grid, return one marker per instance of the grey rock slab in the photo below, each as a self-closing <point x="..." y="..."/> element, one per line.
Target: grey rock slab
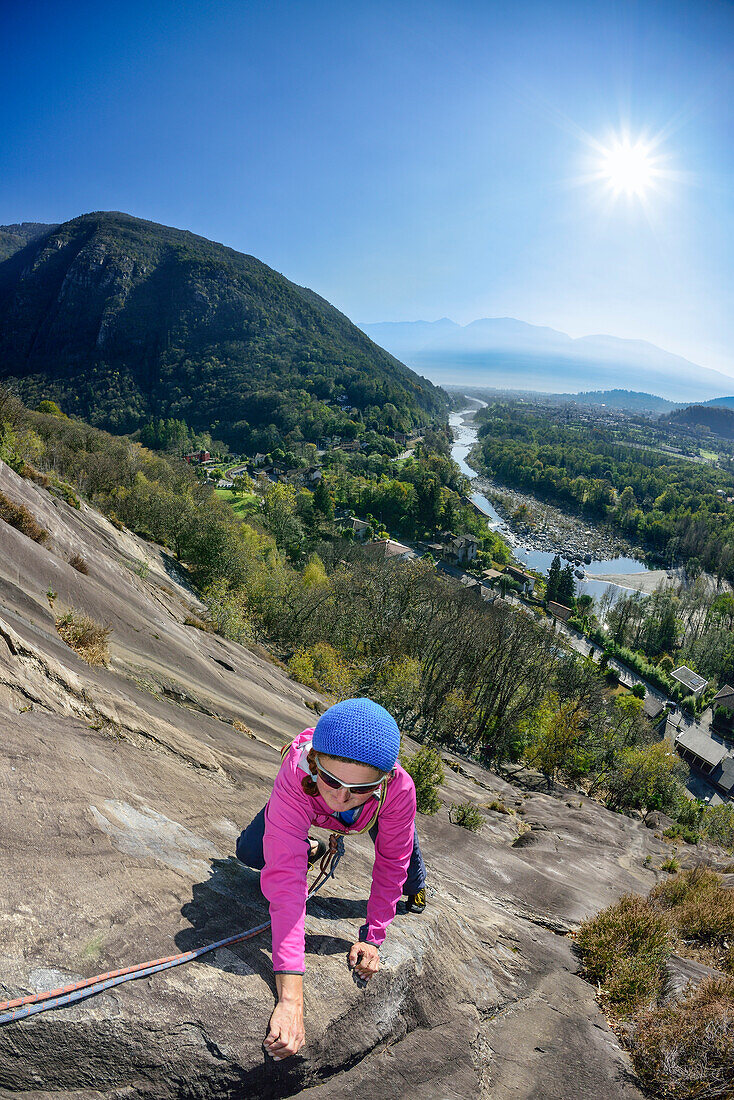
<point x="122" y="791"/>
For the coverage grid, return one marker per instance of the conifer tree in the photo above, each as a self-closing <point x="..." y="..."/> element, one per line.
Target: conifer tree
<point x="567" y="587"/>
<point x="322" y="500"/>
<point x="554" y="577"/>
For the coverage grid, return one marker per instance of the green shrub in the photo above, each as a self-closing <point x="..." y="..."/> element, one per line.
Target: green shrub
<point x="684" y="832"/>
<point x="467" y="816"/>
<point x="624" y="948"/>
<point x="671" y="865"/>
<point x="225" y="607"/>
<point x="320" y="667"/>
<point x="426" y="770"/>
<point x="66" y="492"/>
<point x="50" y="408"/>
<point x="717" y="824"/>
<point x="638" y="690"/>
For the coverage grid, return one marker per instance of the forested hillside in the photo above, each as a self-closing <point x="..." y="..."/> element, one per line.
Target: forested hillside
<point x="15" y="237"/>
<point x="714" y="418"/>
<point x="121" y="320"/>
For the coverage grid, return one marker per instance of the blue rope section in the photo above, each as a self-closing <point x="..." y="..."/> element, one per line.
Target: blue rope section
<point x="43" y="1002"/>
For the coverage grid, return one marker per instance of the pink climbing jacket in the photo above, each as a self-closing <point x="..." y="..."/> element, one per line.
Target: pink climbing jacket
<point x="289" y="815"/>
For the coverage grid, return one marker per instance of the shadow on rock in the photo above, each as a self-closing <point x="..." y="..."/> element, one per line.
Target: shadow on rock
<point x="230" y="902"/>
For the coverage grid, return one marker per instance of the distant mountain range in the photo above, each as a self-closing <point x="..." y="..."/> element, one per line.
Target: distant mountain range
<point x="503" y="352"/>
<point x="121" y="320"/>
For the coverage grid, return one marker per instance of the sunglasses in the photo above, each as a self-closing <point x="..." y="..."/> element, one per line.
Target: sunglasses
<point x="337" y="785"/>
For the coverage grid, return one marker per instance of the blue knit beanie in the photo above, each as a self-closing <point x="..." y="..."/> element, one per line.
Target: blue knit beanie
<point x="359" y="730"/>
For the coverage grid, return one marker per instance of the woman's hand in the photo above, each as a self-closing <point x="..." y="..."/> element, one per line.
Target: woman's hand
<point x="365" y="959"/>
<point x="286" y="1033"/>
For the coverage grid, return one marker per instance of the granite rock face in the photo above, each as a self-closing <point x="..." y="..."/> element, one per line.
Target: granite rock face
<point x="123" y="792"/>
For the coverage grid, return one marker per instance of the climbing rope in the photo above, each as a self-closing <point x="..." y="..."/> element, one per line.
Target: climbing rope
<point x="66" y="995"/>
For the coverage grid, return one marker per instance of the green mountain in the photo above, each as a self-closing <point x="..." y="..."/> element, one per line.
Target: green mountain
<point x="120" y="320"/>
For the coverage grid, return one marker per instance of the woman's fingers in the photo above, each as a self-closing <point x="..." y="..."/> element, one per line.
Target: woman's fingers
<point x="365" y="959"/>
<point x="282" y="1046"/>
<point x="285" y="1033"/>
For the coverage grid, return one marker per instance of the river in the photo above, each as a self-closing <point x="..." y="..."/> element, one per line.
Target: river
<point x="465" y="436"/>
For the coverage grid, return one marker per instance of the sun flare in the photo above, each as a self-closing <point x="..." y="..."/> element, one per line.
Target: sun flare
<point x="628" y="167"/>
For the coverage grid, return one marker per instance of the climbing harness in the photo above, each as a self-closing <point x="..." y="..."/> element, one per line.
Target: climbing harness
<point x="59" y="998"/>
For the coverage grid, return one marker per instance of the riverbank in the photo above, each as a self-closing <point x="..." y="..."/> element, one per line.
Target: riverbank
<point x="642" y="582"/>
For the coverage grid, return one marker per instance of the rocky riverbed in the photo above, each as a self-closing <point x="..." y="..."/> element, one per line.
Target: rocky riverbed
<point x="539" y="526"/>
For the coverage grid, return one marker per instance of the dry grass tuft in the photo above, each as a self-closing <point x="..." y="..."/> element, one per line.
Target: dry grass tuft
<point x="700" y="911"/>
<point x="239" y="725"/>
<point x="686" y="1049"/>
<point x="683" y="1049"/>
<point x="18" y="516"/>
<point x="193" y="620"/>
<point x="77" y="562"/>
<point x="85" y="636"/>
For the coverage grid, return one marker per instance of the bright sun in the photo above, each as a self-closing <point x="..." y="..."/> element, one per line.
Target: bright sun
<point x="629" y="168"/>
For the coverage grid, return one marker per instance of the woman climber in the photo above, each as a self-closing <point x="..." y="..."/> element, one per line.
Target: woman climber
<point x="342" y="776"/>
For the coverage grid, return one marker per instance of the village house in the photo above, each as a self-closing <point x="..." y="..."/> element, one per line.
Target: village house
<point x="656" y="710"/>
<point x="389" y="548"/>
<point x="724" y="698"/>
<point x="525" y="579"/>
<point x="490" y="576"/>
<point x="471" y="584"/>
<point x="559" y="610"/>
<point x="361" y="529"/>
<point x="710" y="758"/>
<point x="690" y="679"/>
<point x="460" y="548"/>
<point x="197" y="457"/>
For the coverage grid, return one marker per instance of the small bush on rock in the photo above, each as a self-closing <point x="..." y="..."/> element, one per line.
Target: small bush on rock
<point x="85" y="636"/>
<point x="426" y="770"/>
<point x="18" y="516"/>
<point x="466" y="815"/>
<point x="194" y="620"/>
<point x="686" y="1049"/>
<point x="76" y="561"/>
<point x="700" y="909"/>
<point x="624" y="948"/>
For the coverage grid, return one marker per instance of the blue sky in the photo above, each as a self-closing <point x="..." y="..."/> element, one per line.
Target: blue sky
<point x="406" y="160"/>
